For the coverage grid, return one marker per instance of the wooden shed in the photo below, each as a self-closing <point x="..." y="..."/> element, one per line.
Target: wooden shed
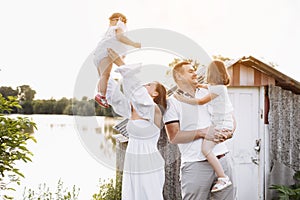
<point x="265" y="148"/>
<point x="266" y="145"/>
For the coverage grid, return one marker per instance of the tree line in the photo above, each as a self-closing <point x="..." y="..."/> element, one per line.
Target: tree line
<point x="25" y="95"/>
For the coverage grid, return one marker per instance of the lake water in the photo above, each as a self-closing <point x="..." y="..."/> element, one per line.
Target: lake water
<point x="77" y="150"/>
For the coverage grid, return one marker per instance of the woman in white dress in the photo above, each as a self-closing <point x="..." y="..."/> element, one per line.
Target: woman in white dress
<point x="143" y="105"/>
<point x="115" y="39"/>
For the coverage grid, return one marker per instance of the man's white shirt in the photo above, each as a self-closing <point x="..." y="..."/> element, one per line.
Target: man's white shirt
<point x="191" y="117"/>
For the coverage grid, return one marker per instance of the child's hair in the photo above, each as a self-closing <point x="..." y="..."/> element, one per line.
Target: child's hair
<point x="217" y="73"/>
<point x="119" y="16"/>
<point x="177" y="69"/>
<point x="161" y="98"/>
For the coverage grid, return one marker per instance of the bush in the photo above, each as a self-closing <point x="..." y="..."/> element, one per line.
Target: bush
<point x="291" y="192"/>
<point x="108" y="191"/>
<point x="44" y="193"/>
<point x="14" y="134"/>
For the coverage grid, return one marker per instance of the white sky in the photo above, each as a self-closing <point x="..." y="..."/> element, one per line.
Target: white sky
<point x="44" y="43"/>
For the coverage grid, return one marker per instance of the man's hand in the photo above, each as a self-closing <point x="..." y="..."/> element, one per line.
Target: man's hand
<point x="222" y="135"/>
<point x="225" y="134"/>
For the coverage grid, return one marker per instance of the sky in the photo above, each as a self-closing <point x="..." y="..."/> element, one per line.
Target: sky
<point x="44" y="44"/>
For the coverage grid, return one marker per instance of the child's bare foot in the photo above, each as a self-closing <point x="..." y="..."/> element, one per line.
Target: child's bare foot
<point x="115" y="57"/>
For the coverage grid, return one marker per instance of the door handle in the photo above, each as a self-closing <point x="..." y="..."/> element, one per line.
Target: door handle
<point x="255" y="160"/>
<point x="257" y="150"/>
<point x="257" y="145"/>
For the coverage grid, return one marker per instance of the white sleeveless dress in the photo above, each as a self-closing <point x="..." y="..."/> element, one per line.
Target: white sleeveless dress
<point x="110" y="41"/>
<point x="143" y="173"/>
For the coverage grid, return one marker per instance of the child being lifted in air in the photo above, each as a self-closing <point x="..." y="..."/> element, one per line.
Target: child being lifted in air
<point x="116" y="40"/>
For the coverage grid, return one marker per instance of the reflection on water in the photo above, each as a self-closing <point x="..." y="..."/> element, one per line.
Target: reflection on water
<point x="77" y="150"/>
<point x="96" y="136"/>
<point x="108" y="131"/>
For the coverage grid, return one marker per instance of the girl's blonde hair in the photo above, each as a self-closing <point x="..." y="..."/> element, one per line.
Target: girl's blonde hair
<point x="119" y="16"/>
<point x="217" y="73"/>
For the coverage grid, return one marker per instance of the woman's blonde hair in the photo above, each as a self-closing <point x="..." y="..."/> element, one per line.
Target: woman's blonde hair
<point x="119" y="16"/>
<point x="217" y="73"/>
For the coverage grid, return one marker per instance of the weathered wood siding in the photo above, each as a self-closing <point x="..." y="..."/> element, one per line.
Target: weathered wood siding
<point x="284" y="127"/>
<point x="246" y="76"/>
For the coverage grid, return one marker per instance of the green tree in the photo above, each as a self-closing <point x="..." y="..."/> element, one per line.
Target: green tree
<point x="68" y="110"/>
<point x="14" y="135"/>
<point x="27" y="107"/>
<point x="37" y="106"/>
<point x="48" y="106"/>
<point x="8" y="91"/>
<point x="220" y="57"/>
<point x="108" y="112"/>
<point x="61" y="105"/>
<point x="25" y="93"/>
<point x="84" y="107"/>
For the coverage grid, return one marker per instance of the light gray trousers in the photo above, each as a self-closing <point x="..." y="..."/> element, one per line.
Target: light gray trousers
<point x="197" y="179"/>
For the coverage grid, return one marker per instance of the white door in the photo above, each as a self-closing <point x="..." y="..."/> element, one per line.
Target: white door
<point x="244" y="145"/>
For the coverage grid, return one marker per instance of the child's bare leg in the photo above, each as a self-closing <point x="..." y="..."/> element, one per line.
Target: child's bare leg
<point x="116" y="59"/>
<point x="104" y="70"/>
<point x="207" y="147"/>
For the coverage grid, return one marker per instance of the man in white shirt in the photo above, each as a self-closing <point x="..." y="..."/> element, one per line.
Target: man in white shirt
<point x="187" y="125"/>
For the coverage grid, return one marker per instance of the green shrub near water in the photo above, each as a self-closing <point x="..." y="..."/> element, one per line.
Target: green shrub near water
<point x="109" y="190"/>
<point x="14" y="135"/>
<point x="44" y="193"/>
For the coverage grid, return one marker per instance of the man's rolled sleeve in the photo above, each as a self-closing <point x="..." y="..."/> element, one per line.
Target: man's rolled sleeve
<point x="172" y="113"/>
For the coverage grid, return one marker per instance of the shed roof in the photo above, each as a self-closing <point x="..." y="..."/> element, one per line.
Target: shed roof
<point x="281" y="79"/>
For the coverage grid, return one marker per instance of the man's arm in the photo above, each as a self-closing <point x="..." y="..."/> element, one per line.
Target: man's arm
<point x="177" y="137"/>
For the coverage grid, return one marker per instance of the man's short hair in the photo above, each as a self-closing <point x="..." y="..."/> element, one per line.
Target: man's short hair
<point x="177" y="69"/>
